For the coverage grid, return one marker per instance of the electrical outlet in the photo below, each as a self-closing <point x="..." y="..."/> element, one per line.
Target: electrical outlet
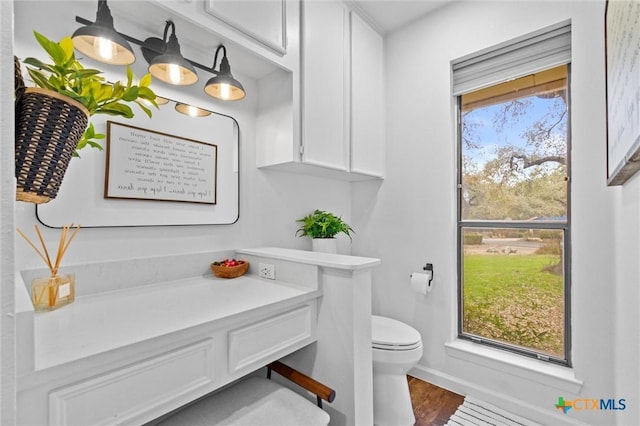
<point x="267" y="270"/>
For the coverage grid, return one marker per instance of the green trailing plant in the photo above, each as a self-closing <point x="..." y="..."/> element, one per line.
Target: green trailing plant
<point x="67" y="76"/>
<point x="321" y="224"/>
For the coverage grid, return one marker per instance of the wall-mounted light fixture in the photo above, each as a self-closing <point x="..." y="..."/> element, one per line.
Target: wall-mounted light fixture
<point x="100" y="41"/>
<point x="223" y="85"/>
<point x="166" y="62"/>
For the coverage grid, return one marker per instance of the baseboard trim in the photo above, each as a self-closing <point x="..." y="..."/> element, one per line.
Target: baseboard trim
<point x="463" y="387"/>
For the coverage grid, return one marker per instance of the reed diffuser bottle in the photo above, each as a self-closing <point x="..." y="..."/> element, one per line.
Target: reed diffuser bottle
<point x="49" y="293"/>
<point x="54" y="291"/>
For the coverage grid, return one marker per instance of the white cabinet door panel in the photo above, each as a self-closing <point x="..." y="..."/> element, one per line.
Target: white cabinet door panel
<point x="367" y="95"/>
<point x="137" y="393"/>
<point x="262" y="20"/>
<point x="253" y="345"/>
<point x="326" y="85"/>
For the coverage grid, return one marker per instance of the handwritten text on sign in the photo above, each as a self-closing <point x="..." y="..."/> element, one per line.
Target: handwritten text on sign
<point x="148" y="165"/>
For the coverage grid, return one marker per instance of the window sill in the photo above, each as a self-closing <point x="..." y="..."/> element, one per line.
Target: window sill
<point x="560" y="377"/>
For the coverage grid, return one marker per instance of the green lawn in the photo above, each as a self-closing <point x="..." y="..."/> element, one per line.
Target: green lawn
<point x="514" y="300"/>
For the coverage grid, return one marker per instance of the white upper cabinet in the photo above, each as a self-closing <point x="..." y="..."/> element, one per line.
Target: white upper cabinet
<point x="268" y="30"/>
<point x="325" y="77"/>
<point x="263" y="20"/>
<point x="367" y="99"/>
<point x="335" y="127"/>
<point x="343" y="91"/>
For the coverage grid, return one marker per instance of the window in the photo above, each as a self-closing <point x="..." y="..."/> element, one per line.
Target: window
<point x="514" y="205"/>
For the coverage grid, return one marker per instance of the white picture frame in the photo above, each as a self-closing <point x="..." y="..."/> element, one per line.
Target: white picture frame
<point x="622" y="47"/>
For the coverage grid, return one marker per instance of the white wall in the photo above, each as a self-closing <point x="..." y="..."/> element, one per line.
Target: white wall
<point x="410" y="218"/>
<point x="626" y="345"/>
<point x="7" y="191"/>
<point x="269" y="201"/>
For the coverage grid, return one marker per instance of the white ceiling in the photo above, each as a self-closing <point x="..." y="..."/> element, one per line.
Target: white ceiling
<point x="390" y="15"/>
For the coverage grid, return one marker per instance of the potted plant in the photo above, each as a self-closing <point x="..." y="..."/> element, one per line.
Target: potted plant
<point x="52" y="119"/>
<point x="322" y="227"/>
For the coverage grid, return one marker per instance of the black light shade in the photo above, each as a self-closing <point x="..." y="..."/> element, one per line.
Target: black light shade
<point x="101" y="42"/>
<point x="223" y="86"/>
<point x="166" y="63"/>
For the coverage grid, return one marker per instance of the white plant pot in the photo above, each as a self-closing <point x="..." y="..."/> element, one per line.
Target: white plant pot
<point x="324" y="245"/>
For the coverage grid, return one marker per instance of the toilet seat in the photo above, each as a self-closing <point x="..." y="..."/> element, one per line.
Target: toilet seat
<point x="392" y="335"/>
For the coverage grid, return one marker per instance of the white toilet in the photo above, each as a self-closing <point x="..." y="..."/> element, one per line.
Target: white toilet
<point x="397" y="347"/>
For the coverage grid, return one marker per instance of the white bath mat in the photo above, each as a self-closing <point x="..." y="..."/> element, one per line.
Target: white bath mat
<point x="474" y="412"/>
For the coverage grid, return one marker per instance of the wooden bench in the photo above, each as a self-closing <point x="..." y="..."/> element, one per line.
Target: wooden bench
<point x="258" y="401"/>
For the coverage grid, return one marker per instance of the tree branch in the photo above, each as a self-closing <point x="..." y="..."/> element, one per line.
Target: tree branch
<point x="530" y="163"/>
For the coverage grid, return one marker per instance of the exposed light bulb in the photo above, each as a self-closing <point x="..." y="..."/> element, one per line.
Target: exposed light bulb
<point x="173" y="73"/>
<point x="104" y="48"/>
<point x="192" y="111"/>
<point x="225" y="91"/>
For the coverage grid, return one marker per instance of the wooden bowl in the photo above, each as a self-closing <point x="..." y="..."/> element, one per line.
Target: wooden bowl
<point x="230" y="271"/>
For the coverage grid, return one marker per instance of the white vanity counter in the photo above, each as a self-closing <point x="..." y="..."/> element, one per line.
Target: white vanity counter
<point x="146" y="336"/>
<point x="99" y="323"/>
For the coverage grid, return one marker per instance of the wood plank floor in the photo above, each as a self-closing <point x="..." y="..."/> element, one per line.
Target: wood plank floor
<point x="432" y="405"/>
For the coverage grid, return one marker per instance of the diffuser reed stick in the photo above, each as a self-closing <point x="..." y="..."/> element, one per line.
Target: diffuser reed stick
<point x="44" y="246"/>
<point x="54" y="291"/>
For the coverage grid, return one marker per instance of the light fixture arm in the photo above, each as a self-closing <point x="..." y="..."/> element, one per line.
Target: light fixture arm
<point x="215" y="59"/>
<point x="103" y="14"/>
<point x="166" y="30"/>
<point x="170" y="45"/>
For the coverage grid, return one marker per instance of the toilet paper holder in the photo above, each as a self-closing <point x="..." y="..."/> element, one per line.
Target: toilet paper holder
<point x="429" y="268"/>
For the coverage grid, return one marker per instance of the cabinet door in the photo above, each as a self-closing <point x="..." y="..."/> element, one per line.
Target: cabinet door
<point x="326" y="85"/>
<point x="262" y="20"/>
<point x="367" y="99"/>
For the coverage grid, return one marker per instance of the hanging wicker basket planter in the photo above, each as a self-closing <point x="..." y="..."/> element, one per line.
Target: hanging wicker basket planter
<point x="48" y="128"/>
<point x="49" y="124"/>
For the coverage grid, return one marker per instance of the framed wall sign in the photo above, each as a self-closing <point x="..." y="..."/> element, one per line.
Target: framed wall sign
<point x="622" y="44"/>
<point x="149" y="165"/>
